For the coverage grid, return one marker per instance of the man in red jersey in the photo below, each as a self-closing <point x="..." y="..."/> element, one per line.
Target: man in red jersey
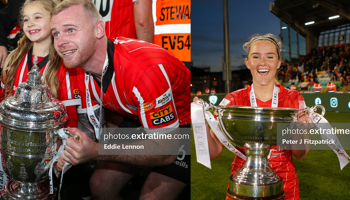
<point x="138" y="79"/>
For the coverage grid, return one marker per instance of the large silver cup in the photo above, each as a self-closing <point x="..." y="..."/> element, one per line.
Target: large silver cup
<point x="256" y="129"/>
<point x="29" y="121"/>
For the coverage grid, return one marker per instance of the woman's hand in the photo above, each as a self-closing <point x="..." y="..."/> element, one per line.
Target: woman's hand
<point x="300" y="151"/>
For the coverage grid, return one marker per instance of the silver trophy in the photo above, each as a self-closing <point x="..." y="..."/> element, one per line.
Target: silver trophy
<point x="29" y="121"/>
<point x="256" y="129"/>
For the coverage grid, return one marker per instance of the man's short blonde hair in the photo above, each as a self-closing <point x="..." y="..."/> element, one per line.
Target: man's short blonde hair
<point x="87" y="5"/>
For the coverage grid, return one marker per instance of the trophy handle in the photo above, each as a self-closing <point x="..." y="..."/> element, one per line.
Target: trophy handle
<point x="221" y="113"/>
<point x="63" y="134"/>
<point x="314" y="109"/>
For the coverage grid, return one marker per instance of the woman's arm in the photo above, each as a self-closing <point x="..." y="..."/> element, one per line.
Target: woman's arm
<point x="215" y="146"/>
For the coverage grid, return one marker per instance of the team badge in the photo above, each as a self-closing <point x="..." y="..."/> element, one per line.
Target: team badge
<point x="149" y="106"/>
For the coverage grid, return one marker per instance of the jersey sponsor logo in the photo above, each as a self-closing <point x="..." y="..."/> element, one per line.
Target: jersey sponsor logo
<point x="224" y="102"/>
<point x="164" y="98"/>
<point x="76" y="94"/>
<point x="149" y="105"/>
<point x="162" y="116"/>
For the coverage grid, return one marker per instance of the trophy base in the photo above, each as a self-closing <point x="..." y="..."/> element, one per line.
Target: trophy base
<point x="240" y="191"/>
<point x="14" y="190"/>
<point x="232" y="196"/>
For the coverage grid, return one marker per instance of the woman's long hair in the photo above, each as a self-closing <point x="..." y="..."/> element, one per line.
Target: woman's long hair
<point x="24" y="44"/>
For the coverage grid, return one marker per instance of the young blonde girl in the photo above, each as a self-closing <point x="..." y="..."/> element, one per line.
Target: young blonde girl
<point x="38" y="41"/>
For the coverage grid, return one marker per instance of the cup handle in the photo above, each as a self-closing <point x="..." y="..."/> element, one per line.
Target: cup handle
<point x="314" y="109"/>
<point x="64" y="134"/>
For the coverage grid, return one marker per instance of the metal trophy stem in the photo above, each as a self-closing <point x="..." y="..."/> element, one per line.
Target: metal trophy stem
<point x="256" y="179"/>
<point x="29" y="121"/>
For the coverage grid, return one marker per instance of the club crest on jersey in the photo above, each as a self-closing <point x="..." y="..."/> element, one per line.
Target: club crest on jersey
<point x="149" y="106"/>
<point x="164" y="98"/>
<point x="162" y="116"/>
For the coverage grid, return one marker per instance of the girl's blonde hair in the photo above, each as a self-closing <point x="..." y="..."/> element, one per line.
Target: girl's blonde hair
<point x="24" y="44"/>
<point x="267" y="37"/>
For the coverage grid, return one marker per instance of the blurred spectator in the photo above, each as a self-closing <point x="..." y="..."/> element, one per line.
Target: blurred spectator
<point x="8" y="20"/>
<point x="317" y="87"/>
<point x="284" y="65"/>
<point x="314" y="75"/>
<point x="290" y="71"/>
<point x="3" y="4"/>
<point x="293" y="87"/>
<point x="344" y="79"/>
<point x="331" y="88"/>
<point x="294" y="71"/>
<point x="301" y="67"/>
<point x="199" y="92"/>
<point x="337" y="75"/>
<point x="207" y="90"/>
<point x="323" y="66"/>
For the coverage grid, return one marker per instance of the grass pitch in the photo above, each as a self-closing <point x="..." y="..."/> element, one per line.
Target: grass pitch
<point x="319" y="173"/>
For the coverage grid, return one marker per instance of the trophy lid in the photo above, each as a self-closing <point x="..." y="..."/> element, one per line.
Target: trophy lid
<point x="32" y="108"/>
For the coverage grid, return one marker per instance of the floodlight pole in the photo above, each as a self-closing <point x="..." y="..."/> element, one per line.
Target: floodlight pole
<point x="226" y="65"/>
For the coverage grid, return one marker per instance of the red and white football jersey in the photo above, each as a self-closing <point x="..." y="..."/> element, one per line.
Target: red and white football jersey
<point x="67" y="89"/>
<point x="143" y="81"/>
<point x="118" y="16"/>
<point x="282" y="161"/>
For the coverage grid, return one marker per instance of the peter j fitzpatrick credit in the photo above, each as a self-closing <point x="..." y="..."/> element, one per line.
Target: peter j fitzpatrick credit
<point x="308" y="141"/>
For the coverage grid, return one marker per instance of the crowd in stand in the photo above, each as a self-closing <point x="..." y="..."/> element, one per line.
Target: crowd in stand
<point x="333" y="60"/>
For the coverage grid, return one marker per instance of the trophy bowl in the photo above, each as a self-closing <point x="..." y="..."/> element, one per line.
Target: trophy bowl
<point x="256" y="129"/>
<point x="29" y="121"/>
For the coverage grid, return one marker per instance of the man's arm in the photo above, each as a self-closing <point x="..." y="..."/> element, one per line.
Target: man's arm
<point x="144" y="20"/>
<point x="9" y="17"/>
<point x="85" y="125"/>
<point x="85" y="149"/>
